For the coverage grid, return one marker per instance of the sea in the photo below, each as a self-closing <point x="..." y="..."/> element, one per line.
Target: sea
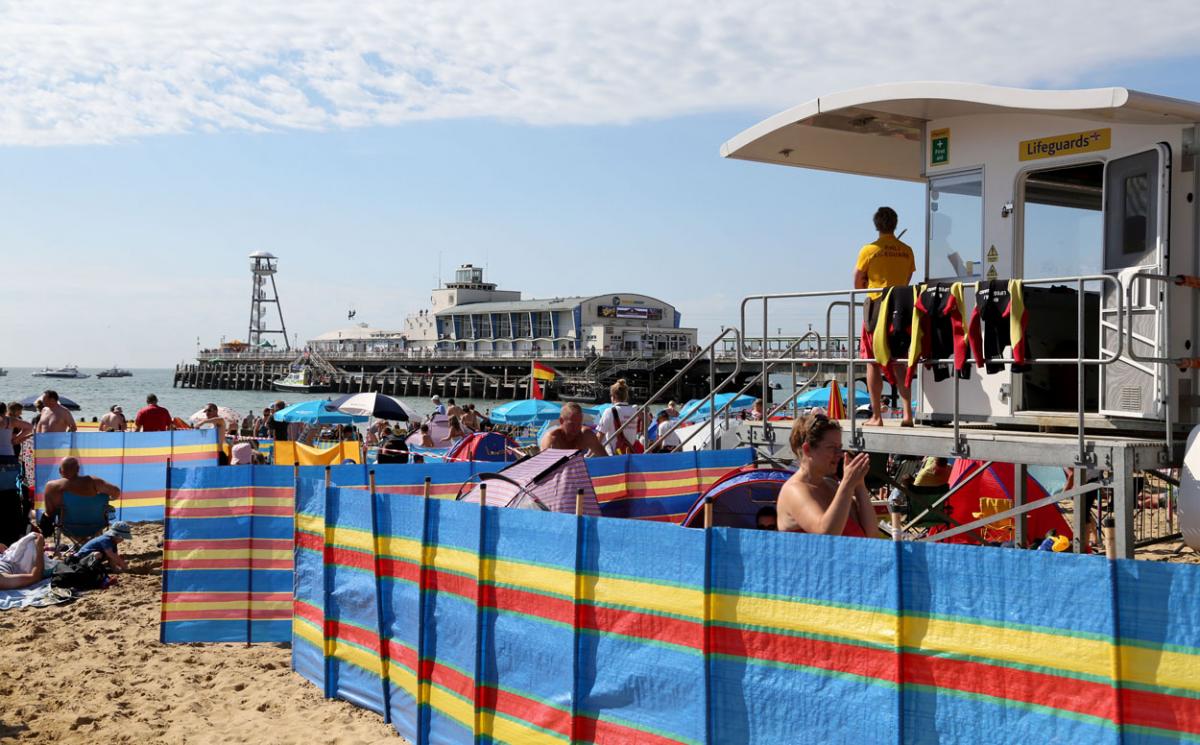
<point x="95" y="395"/>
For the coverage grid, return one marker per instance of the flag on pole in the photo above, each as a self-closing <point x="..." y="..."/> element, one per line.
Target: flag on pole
<point x="836" y="409"/>
<point x="543" y="372"/>
<point x="535" y="391"/>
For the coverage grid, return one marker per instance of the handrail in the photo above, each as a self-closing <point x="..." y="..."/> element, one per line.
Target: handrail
<point x="960" y="445"/>
<point x="714" y="415"/>
<point x="712" y="391"/>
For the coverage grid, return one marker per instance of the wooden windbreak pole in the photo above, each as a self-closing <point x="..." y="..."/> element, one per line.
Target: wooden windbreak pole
<point x="579" y="503"/>
<point x="706" y="631"/>
<point x="326" y="558"/>
<point x="479" y="616"/>
<point x="384" y="661"/>
<point x="162" y="622"/>
<point x="422" y="734"/>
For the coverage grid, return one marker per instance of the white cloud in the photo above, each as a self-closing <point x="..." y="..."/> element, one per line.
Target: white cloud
<point x="87" y="72"/>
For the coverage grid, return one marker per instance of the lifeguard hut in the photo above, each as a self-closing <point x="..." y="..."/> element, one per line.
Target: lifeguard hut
<point x="1089" y="198"/>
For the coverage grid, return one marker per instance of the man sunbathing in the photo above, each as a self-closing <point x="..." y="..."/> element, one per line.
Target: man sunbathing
<point x="23" y="563"/>
<point x="73" y="482"/>
<point x="570" y="433"/>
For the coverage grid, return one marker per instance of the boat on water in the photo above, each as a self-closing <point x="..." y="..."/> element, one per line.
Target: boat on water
<point x="69" y="371"/>
<point x="114" y="372"/>
<point x="300" y="381"/>
<point x="3" y="372"/>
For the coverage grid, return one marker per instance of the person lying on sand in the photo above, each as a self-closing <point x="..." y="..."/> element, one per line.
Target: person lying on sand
<point x="108" y="545"/>
<point x="23" y="563"/>
<point x="71" y="481"/>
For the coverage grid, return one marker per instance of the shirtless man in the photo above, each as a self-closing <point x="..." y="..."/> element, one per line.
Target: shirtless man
<point x="570" y="433"/>
<point x="113" y="421"/>
<point x="54" y="416"/>
<point x="470" y="418"/>
<point x="71" y="481"/>
<point x="454" y="410"/>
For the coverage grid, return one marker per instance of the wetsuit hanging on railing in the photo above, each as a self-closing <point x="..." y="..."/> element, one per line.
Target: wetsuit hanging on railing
<point x="940" y="332"/>
<point x="998" y="321"/>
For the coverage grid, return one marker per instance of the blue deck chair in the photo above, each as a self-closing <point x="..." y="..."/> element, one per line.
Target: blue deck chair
<point x="82" y="518"/>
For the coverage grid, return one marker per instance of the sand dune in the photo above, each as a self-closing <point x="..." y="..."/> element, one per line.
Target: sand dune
<point x="94" y="671"/>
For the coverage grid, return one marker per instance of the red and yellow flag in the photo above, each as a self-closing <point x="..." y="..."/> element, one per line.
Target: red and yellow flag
<point x="543" y="372"/>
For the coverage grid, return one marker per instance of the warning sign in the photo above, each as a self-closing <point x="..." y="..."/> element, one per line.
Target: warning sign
<point x="993" y="255"/>
<point x="991" y="272"/>
<point x="939" y="147"/>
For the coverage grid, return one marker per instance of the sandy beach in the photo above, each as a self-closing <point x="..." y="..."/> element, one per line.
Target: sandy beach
<point x="94" y="671"/>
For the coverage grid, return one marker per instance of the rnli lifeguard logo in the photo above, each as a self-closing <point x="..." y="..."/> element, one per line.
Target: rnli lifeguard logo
<point x="1069" y="144"/>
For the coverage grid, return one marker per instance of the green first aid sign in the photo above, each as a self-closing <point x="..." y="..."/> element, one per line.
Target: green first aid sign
<point x="939" y="147"/>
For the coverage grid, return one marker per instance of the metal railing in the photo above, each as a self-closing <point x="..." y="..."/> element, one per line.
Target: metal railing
<point x="960" y="446"/>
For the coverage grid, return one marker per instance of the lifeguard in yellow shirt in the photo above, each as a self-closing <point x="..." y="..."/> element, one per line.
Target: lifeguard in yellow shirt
<point x="886" y="262"/>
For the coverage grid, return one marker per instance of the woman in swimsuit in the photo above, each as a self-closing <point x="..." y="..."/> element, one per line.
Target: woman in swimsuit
<point x="812" y="500"/>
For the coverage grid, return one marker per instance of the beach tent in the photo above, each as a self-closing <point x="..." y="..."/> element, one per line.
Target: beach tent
<point x="546" y="481"/>
<point x="486" y="446"/>
<point x="738" y="496"/>
<point x="991" y="492"/>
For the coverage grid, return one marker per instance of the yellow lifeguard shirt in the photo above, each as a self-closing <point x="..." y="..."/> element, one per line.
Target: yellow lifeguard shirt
<point x="888" y="262"/>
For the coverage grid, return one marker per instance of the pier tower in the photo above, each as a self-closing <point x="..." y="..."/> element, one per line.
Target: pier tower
<point x="262" y="296"/>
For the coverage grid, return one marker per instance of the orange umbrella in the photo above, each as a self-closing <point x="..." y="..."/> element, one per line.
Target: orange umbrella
<point x="837" y="410"/>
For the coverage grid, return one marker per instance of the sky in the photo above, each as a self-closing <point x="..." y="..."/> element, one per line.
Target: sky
<point x="572" y="148"/>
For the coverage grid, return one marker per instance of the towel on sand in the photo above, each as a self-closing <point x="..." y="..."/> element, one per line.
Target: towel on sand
<point x="35" y="596"/>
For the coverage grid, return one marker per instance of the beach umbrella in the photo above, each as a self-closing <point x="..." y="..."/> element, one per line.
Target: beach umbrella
<point x="699" y="407"/>
<point x="837" y="407"/>
<point x="232" y="419"/>
<point x="375" y="404"/>
<point x="526" y="411"/>
<point x="316" y="412"/>
<point x="27" y="403"/>
<point x="820" y="397"/>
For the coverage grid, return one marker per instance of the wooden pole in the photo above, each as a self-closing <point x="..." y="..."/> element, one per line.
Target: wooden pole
<point x="1110" y="537"/>
<point x="579" y="503"/>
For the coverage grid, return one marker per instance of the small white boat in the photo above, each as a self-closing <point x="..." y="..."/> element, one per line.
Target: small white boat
<point x="3" y="372"/>
<point x="300" y="381"/>
<point x="114" y="372"/>
<point x="69" y="371"/>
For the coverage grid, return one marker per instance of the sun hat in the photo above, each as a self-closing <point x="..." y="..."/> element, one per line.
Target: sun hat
<point x="120" y="529"/>
<point x="436" y="398"/>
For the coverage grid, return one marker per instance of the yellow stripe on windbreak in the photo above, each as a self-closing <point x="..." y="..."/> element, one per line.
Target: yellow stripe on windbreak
<point x="229" y="553"/>
<point x="305" y="631"/>
<point x="507" y="730"/>
<point x="192" y="504"/>
<point x="138" y="502"/>
<point x="805" y="618"/>
<point x="1008" y="645"/>
<point x="231" y="605"/>
<point x="688" y="483"/>
<point x="309" y="523"/>
<point x="645" y="596"/>
<point x="358" y="656"/>
<point x="1160" y="668"/>
<point x="85" y="452"/>
<point x="407" y="549"/>
<point x="359" y="540"/>
<point x="447" y="704"/>
<point x="452" y="560"/>
<point x="537" y="579"/>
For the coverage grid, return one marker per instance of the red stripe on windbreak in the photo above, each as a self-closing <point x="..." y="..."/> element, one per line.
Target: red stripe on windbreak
<point x="594" y="731"/>
<point x="797" y="650"/>
<point x="256" y="614"/>
<point x="346" y="632"/>
<point x="453" y="584"/>
<point x="308" y="612"/>
<point x="1057" y="692"/>
<point x="524" y="709"/>
<point x="348" y="557"/>
<point x="537" y="606"/>
<point x="400" y="569"/>
<point x="401" y="654"/>
<point x="309" y="541"/>
<point x="1160" y="710"/>
<point x="180" y="564"/>
<point x="641" y="625"/>
<point x="446" y="677"/>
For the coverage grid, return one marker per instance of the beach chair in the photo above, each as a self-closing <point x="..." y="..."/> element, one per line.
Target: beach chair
<point x="81" y="518"/>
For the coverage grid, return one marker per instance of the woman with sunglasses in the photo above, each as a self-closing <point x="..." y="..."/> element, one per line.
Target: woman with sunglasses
<point x="812" y="500"/>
